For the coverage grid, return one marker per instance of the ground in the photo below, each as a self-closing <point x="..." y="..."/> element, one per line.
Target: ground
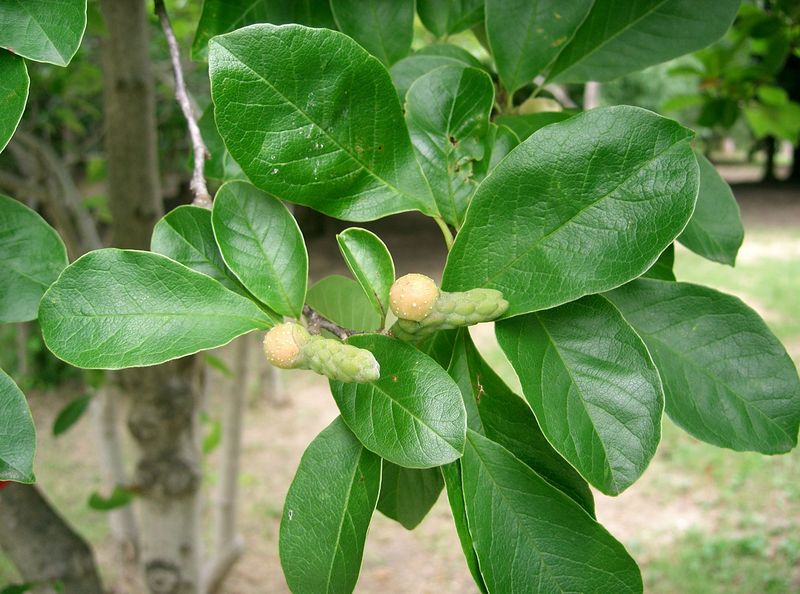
<point x="701" y="520"/>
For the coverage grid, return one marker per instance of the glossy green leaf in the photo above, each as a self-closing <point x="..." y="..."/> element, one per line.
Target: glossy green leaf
<point x="120" y="497"/>
<point x="447" y="112"/>
<point x="526" y="124"/>
<point x="262" y="245"/>
<point x="601" y="402"/>
<point x="455" y="496"/>
<point x="727" y="379"/>
<point x="113" y="308"/>
<point x="71" y="414"/>
<point x="14" y="84"/>
<point x="369" y="260"/>
<point x="342" y="301"/>
<point x="430" y="57"/>
<point x="408" y="494"/>
<point x="445" y="17"/>
<point x="439" y="346"/>
<point x="17" y="434"/>
<point x="222" y="16"/>
<point x="185" y="235"/>
<point x="617" y="39"/>
<point x="662" y="269"/>
<point x="312" y="118"/>
<point x="582" y="206"/>
<point x="526" y="36"/>
<point x="530" y="537"/>
<point x="220" y="165"/>
<point x="384" y="28"/>
<point x="498" y="142"/>
<point x="327" y="513"/>
<point x="496" y="412"/>
<point x="715" y="230"/>
<point x="413" y="415"/>
<point x="31" y="257"/>
<point x="41" y="31"/>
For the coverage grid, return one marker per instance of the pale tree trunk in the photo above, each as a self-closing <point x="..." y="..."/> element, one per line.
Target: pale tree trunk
<point x="163" y="400"/>
<point x="591" y="95"/>
<point x="42" y="546"/>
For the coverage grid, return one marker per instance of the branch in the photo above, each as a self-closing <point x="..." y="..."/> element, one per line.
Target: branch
<point x="198" y="183"/>
<point x="317" y="322"/>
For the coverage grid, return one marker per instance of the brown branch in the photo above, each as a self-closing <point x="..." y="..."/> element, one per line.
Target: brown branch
<point x="198" y="183"/>
<point x="317" y="322"/>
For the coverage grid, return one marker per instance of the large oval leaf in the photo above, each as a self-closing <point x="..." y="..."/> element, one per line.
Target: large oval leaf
<point x="342" y="301"/>
<point x="313" y="118"/>
<point x="727" y="379"/>
<point x="445" y="17"/>
<point x="526" y="37"/>
<point x="447" y="112"/>
<point x="185" y="235"/>
<point x="113" y="308"/>
<point x="715" y="230"/>
<point x="14" y="83"/>
<point x="530" y="537"/>
<point x="582" y="206"/>
<point x="616" y="39"/>
<point x="496" y="412"/>
<point x="430" y="57"/>
<point x="262" y="245"/>
<point x="413" y="415"/>
<point x="31" y="257"/>
<point x="17" y="434"/>
<point x="384" y="28"/>
<point x="408" y="494"/>
<point x="40" y="31"/>
<point x="593" y="387"/>
<point x="327" y="513"/>
<point x="369" y="260"/>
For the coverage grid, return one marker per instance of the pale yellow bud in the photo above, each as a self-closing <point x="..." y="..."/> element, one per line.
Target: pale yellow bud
<point x="282" y="345"/>
<point x="413" y="296"/>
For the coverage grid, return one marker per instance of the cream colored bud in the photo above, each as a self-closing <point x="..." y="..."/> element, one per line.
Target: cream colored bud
<point x="413" y="296"/>
<point x="283" y="343"/>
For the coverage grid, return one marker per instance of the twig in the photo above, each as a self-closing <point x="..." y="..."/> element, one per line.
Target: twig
<point x="317" y="322"/>
<point x="198" y="183"/>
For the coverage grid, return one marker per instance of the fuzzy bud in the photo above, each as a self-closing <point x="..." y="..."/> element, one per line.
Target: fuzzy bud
<point x="283" y="345"/>
<point x="413" y="296"/>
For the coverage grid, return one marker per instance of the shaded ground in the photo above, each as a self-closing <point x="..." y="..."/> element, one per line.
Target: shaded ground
<point x="700" y="520"/>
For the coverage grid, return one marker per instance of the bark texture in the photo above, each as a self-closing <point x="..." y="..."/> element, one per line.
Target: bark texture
<point x="42" y="546"/>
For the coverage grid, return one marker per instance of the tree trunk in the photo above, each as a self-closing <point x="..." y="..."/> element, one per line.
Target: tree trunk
<point x="42" y="546"/>
<point x="163" y="410"/>
<point x="770" y="148"/>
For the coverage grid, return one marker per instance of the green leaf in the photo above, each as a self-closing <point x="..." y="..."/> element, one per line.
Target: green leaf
<point x="220" y="165"/>
<point x="582" y="206"/>
<point x="17" y="433"/>
<point x="40" y="31"/>
<point x="70" y="414"/>
<point x="408" y="494"/>
<point x="447" y="112"/>
<point x="14" y="84"/>
<point x="439" y="346"/>
<point x="498" y="142"/>
<point x="782" y="121"/>
<point x="120" y="497"/>
<point x="212" y="434"/>
<point x="445" y="17"/>
<point x="613" y="41"/>
<point x="217" y="363"/>
<point x="496" y="412"/>
<point x="601" y="402"/>
<point x="526" y="124"/>
<point x="327" y="513"/>
<point x="31" y="257"/>
<point x="455" y="496"/>
<point x="185" y="235"/>
<point x="112" y="309"/>
<point x="662" y="269"/>
<point x="17" y="589"/>
<point x="222" y="16"/>
<point x="262" y="245"/>
<point x="340" y="146"/>
<point x="727" y="379"/>
<point x="413" y="415"/>
<point x="342" y="301"/>
<point x="530" y="537"/>
<point x="409" y="69"/>
<point x="526" y="37"/>
<point x="715" y="230"/>
<point x="383" y="27"/>
<point x="369" y="260"/>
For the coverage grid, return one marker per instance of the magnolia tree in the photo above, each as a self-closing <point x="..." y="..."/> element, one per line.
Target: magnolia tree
<point x="559" y="227"/>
